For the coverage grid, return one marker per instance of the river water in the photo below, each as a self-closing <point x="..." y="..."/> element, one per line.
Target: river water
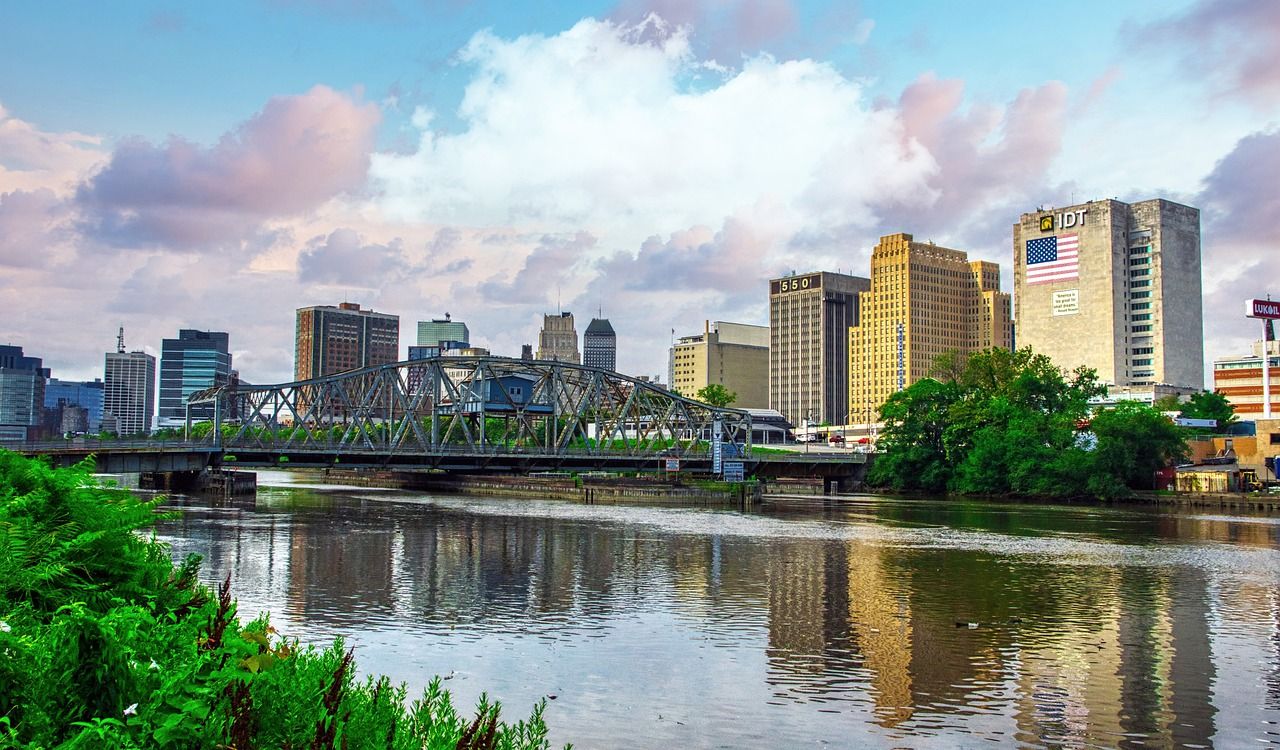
<point x="864" y="622"/>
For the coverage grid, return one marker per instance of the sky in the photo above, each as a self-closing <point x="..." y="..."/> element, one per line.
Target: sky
<point x="218" y="165"/>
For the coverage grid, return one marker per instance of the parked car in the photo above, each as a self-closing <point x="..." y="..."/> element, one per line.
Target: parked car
<point x="805" y="437"/>
<point x="835" y="440"/>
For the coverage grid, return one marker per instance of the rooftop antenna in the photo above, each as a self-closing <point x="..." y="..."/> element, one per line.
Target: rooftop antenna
<point x="120" y="341"/>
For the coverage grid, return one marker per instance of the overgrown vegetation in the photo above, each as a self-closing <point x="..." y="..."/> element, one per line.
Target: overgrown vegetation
<point x="1011" y="423"/>
<point x="105" y="643"/>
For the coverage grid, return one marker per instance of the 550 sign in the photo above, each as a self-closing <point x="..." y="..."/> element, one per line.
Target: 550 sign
<point x="797" y="284"/>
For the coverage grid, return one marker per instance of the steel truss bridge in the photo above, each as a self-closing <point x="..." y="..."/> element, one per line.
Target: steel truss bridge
<point x="461" y="415"/>
<point x="477" y="406"/>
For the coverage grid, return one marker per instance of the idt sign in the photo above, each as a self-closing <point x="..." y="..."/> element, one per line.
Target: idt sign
<point x="1262" y="308"/>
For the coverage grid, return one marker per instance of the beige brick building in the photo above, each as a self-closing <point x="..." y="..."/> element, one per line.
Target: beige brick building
<point x="1123" y="296"/>
<point x="924" y="300"/>
<point x="809" y="320"/>
<point x="558" y="339"/>
<point x="734" y="355"/>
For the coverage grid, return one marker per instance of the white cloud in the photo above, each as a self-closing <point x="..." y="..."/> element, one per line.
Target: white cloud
<point x="605" y="129"/>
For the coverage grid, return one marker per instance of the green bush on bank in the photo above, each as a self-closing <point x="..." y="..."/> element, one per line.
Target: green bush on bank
<point x="1003" y="422"/>
<point x="105" y="643"/>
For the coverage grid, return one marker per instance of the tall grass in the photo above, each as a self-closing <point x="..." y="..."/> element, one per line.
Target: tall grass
<point x="105" y="643"/>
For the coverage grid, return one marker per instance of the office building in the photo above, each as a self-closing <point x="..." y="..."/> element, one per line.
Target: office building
<point x="129" y="390"/>
<point x="195" y="361"/>
<point x="22" y="386"/>
<point x="1114" y="287"/>
<point x="600" y="345"/>
<point x="432" y="332"/>
<point x="336" y="339"/>
<point x="925" y="300"/>
<point x="70" y="394"/>
<point x="526" y="351"/>
<point x="734" y="355"/>
<point x="558" y="339"/>
<point x="1240" y="380"/>
<point x="809" y="321"/>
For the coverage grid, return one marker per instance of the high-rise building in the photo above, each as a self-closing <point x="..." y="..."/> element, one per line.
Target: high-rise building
<point x="1115" y="287"/>
<point x="129" y="390"/>
<point x="195" y="361"/>
<point x="558" y="339"/>
<point x="734" y="355"/>
<point x="22" y="385"/>
<point x="1240" y="380"/>
<point x="600" y="345"/>
<point x="526" y="351"/>
<point x="809" y="321"/>
<point x="336" y="339"/>
<point x="432" y="332"/>
<point x="59" y="394"/>
<point x="924" y="301"/>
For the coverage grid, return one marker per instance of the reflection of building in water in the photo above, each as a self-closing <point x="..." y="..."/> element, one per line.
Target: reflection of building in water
<point x="808" y="615"/>
<point x="880" y="614"/>
<point x="340" y="567"/>
<point x="1067" y="687"/>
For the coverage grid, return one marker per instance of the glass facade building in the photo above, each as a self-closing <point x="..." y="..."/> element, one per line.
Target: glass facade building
<point x="195" y="361"/>
<point x="87" y="395"/>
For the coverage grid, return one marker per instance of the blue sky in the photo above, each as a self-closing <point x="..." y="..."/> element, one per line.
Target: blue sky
<point x="219" y="165"/>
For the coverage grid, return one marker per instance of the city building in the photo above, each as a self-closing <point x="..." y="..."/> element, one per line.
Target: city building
<point x="600" y="345"/>
<point x="1114" y="287"/>
<point x="22" y="386"/>
<point x="128" y="391"/>
<point x="432" y="332"/>
<point x="195" y="361"/>
<point x="809" y="321"/>
<point x="925" y="300"/>
<point x="734" y="355"/>
<point x="558" y="339"/>
<point x="337" y="339"/>
<point x="526" y="351"/>
<point x="1240" y="380"/>
<point x="61" y="395"/>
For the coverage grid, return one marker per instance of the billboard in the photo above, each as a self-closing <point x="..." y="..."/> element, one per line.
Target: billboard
<point x="1262" y="308"/>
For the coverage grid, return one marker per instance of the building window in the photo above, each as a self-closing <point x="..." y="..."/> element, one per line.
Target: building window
<point x="1140" y="260"/>
<point x="1143" y="316"/>
<point x="1140" y="272"/>
<point x="1140" y="329"/>
<point x="1141" y="295"/>
<point x="1275" y="438"/>
<point x="1140" y="306"/>
<point x="1139" y="283"/>
<point x="1142" y="363"/>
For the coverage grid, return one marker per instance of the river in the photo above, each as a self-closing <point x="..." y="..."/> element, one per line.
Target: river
<point x="860" y="622"/>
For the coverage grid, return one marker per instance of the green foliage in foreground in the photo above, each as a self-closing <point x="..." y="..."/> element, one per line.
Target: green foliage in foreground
<point x="1008" y="423"/>
<point x="104" y="643"/>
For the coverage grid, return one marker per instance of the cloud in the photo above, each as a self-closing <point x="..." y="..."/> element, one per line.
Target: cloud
<point x="1234" y="43"/>
<point x="985" y="154"/>
<point x="544" y="272"/>
<point x="342" y="258"/>
<point x="1239" y="202"/>
<point x="294" y="155"/>
<point x="33" y="226"/>
<point x="31" y="158"/>
<point x="598" y="129"/>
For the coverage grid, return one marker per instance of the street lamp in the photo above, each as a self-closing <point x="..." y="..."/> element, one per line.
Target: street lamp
<point x="808" y="430"/>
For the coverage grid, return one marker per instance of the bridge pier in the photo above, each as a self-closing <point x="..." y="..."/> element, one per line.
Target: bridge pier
<point x="213" y="481"/>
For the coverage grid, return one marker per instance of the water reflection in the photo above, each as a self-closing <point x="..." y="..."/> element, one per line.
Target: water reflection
<point x="881" y="624"/>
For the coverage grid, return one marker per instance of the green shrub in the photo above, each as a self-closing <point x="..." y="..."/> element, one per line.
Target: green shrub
<point x="105" y="643"/>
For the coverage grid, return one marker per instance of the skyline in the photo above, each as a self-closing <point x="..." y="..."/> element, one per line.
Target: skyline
<point x="227" y="166"/>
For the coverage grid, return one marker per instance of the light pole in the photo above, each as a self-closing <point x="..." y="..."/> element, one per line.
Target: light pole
<point x="808" y="430"/>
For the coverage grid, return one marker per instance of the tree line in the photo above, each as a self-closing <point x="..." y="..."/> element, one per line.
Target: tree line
<point x="1001" y="422"/>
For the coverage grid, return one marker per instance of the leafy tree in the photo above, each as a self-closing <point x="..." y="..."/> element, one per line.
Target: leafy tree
<point x="1002" y="422"/>
<point x="1167" y="403"/>
<point x="1134" y="440"/>
<point x="716" y="395"/>
<point x="1211" y="405"/>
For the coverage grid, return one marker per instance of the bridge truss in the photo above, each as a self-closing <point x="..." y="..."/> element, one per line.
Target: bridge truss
<point x="482" y="405"/>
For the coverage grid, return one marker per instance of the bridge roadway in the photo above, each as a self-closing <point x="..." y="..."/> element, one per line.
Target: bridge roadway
<point x="123" y="457"/>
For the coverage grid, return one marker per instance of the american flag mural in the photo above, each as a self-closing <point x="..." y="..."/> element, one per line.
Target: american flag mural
<point x="1052" y="259"/>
